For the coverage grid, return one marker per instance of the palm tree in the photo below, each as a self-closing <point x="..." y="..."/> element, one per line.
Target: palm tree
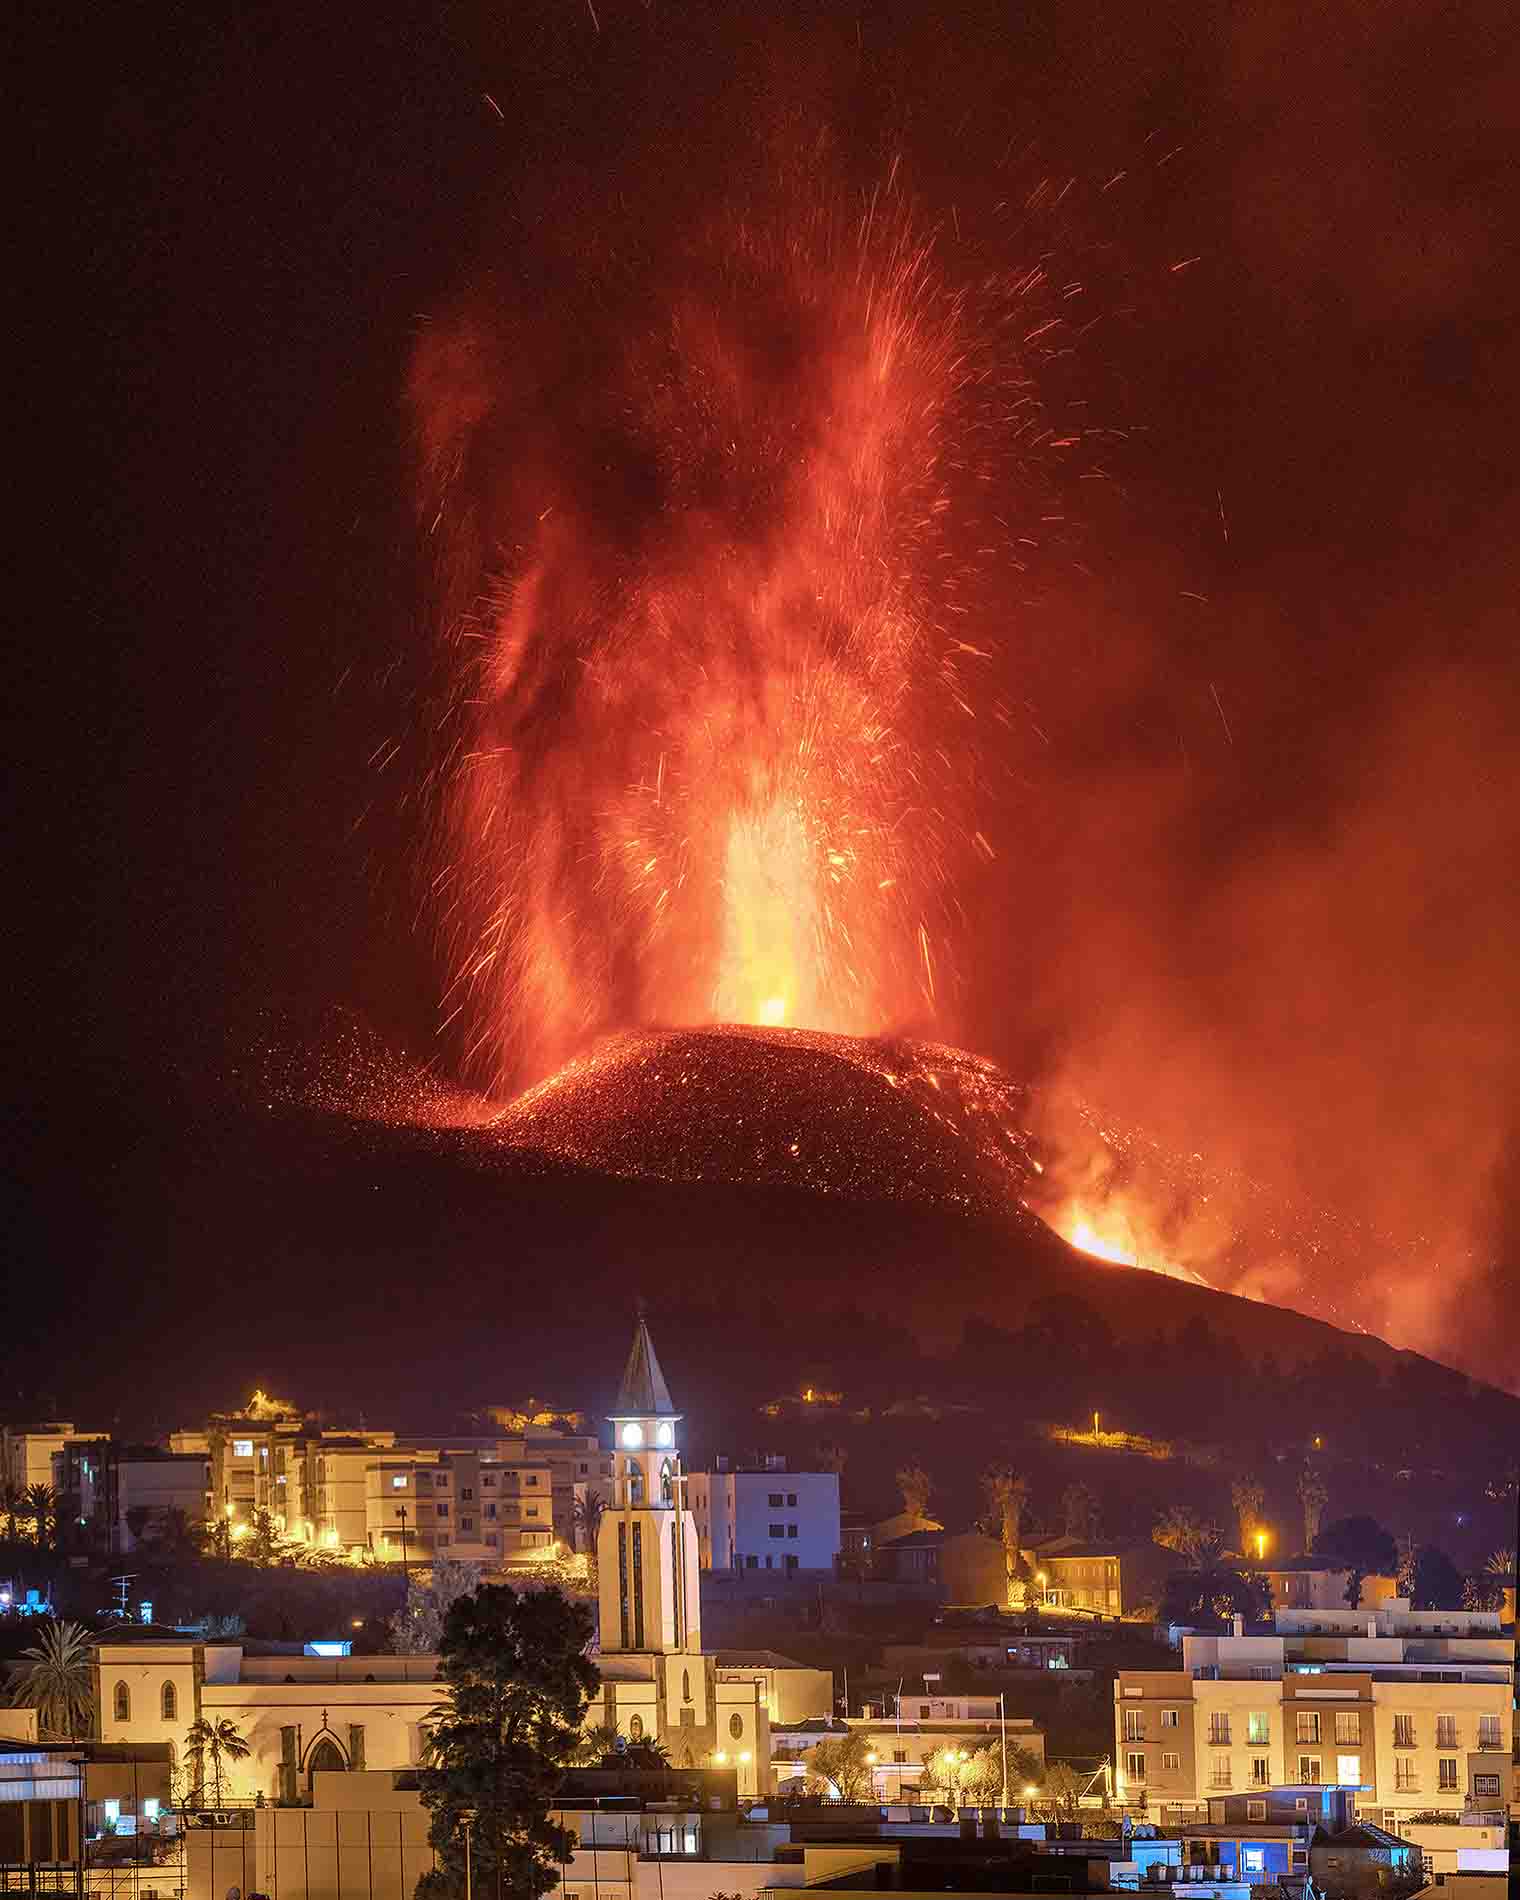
<point x="58" y="1681"/>
<point x="596" y="1744"/>
<point x="11" y="1497"/>
<point x="1501" y="1563"/>
<point x="587" y="1513"/>
<point x="1006" y="1492"/>
<point x="1314" y="1496"/>
<point x="216" y="1739"/>
<point x="40" y="1504"/>
<point x="1248" y="1497"/>
<point x="915" y="1485"/>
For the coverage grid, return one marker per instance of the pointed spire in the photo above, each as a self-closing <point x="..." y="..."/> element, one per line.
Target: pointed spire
<point x="643" y="1393"/>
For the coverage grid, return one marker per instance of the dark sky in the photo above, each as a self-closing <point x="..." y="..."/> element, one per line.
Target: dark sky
<point x="1255" y="887"/>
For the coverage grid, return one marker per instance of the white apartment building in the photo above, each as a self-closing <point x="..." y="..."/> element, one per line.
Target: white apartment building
<point x="906" y="1732"/>
<point x="1412" y="1708"/>
<point x="765" y="1517"/>
<point x="38" y="1454"/>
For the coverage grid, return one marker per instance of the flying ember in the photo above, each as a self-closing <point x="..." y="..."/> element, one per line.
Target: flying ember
<point x="710" y="534"/>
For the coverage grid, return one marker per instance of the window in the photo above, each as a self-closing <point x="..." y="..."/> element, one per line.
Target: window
<point x="1219" y="1772"/>
<point x="1446" y="1731"/>
<point x="791" y="1500"/>
<point x="1134" y="1764"/>
<point x="491" y="1512"/>
<point x="791" y="1530"/>
<point x="443" y="1537"/>
<point x="1263" y="1672"/>
<point x="443" y="1510"/>
<point x="1169" y="1718"/>
<point x="488" y="1482"/>
<point x="774" y="1500"/>
<point x="491" y="1539"/>
<point x="751" y="1563"/>
<point x="530" y="1510"/>
<point x="398" y="1483"/>
<point x="1348" y="1770"/>
<point x="924" y="1711"/>
<point x="793" y="1562"/>
<point x="242" y="1447"/>
<point x="121" y="1703"/>
<point x="1403" y="1731"/>
<point x="1404" y="1778"/>
<point x="532" y="1477"/>
<point x="467" y="1523"/>
<point x="736" y="1726"/>
<point x="899" y="1756"/>
<point x="1488" y="1732"/>
<point x="1348" y="1728"/>
<point x="1308" y="1770"/>
<point x="584" y="1469"/>
<point x="1258" y="1729"/>
<point x="1261" y="1771"/>
<point x="1486" y="1785"/>
<point x="1219" y="1730"/>
<point x="1308" y="1725"/>
<point x="1134" y="1725"/>
<point x="1446" y="1774"/>
<point x="1255" y="1858"/>
<point x="467" y="1491"/>
<point x="1171" y="1761"/>
<point x="1256" y="1810"/>
<point x="168" y="1702"/>
<point x="778" y="1530"/>
<point x="440" y="1478"/>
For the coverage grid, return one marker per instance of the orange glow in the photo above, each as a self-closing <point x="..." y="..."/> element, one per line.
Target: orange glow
<point x="1117" y="1230"/>
<point x="1084" y="1236"/>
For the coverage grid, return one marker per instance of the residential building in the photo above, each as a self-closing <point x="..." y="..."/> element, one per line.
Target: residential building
<point x="1309" y="1583"/>
<point x="1409" y="1709"/>
<point x="29" y="1454"/>
<point x="148" y="1485"/>
<point x="1108" y="1578"/>
<point x="765" y="1517"/>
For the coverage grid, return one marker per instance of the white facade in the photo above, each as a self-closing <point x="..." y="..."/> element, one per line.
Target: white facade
<point x="770" y="1519"/>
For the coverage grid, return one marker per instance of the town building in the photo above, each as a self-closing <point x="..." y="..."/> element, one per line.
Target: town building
<point x="1107" y="1578"/>
<point x="1411" y="1710"/>
<point x="764" y="1517"/>
<point x="148" y="1487"/>
<point x="903" y="1732"/>
<point x="1308" y="1583"/>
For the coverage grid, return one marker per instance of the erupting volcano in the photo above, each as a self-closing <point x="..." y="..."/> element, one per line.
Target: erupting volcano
<point x="715" y="538"/>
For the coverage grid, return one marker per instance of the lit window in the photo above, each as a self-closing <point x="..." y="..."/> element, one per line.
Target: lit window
<point x="1255" y="1857"/>
<point x="113" y="1810"/>
<point x="242" y="1447"/>
<point x="1134" y="1765"/>
<point x="150" y="1807"/>
<point x="398" y="1483"/>
<point x="1171" y="1760"/>
<point x="122" y="1703"/>
<point x="1258" y="1730"/>
<point x="1447" y="1774"/>
<point x="1169" y="1718"/>
<point x="169" y="1702"/>
<point x="632" y="1435"/>
<point x="664" y="1435"/>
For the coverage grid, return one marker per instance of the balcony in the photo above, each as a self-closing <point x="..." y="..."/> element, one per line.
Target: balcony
<point x="1219" y="1738"/>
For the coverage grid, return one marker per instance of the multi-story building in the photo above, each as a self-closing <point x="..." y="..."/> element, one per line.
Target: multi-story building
<point x="47" y="1454"/>
<point x="1410" y="1709"/>
<point x="906" y="1731"/>
<point x="1109" y="1578"/>
<point x="148" y="1485"/>
<point x="1308" y="1583"/>
<point x="765" y="1517"/>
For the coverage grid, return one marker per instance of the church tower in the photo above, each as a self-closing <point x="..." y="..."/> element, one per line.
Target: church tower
<point x="647" y="1546"/>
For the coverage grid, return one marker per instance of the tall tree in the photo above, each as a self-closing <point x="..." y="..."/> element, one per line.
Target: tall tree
<point x="915" y="1485"/>
<point x="417" y="1627"/>
<point x="1079" y="1511"/>
<point x="588" y="1511"/>
<point x="1313" y="1496"/>
<point x="11" y="1507"/>
<point x="57" y="1679"/>
<point x="1436" y="1582"/>
<point x="1006" y="1493"/>
<point x="1248" y="1497"/>
<point x="1198" y="1544"/>
<point x="1212" y="1596"/>
<point x="844" y="1763"/>
<point x="222" y="1741"/>
<point x="1362" y="1546"/>
<point x="517" y="1685"/>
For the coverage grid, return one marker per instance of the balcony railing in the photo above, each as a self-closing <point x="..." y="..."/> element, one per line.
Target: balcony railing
<point x="1219" y="1738"/>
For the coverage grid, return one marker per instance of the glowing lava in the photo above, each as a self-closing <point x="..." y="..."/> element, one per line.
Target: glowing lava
<point x="1086" y="1239"/>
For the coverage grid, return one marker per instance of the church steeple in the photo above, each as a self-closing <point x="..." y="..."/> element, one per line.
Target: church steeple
<point x="647" y="1546"/>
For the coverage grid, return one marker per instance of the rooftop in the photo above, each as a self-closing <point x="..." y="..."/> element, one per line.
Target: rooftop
<point x="643" y="1393"/>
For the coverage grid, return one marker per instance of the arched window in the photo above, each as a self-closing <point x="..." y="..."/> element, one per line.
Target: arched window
<point x="736" y="1726"/>
<point x="326" y="1758"/>
<point x="635" y="1728"/>
<point x="169" y="1702"/>
<point x="122" y="1703"/>
<point x="665" y="1482"/>
<point x="686" y="1685"/>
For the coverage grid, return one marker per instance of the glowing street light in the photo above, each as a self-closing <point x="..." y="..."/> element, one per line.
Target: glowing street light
<point x="1261" y="1545"/>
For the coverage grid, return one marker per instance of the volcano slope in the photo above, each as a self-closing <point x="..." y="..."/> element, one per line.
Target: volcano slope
<point x="794" y="1209"/>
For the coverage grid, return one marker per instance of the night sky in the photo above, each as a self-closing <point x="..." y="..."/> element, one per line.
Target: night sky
<point x="1254" y="881"/>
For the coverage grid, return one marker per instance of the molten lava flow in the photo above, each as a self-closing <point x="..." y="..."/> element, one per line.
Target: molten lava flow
<point x="1086" y="1239"/>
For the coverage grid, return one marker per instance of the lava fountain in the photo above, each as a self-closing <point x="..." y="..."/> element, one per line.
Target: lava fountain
<point x="713" y="532"/>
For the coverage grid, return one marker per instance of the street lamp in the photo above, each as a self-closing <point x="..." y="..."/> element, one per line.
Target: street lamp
<point x="467" y="1821"/>
<point x="1261" y="1545"/>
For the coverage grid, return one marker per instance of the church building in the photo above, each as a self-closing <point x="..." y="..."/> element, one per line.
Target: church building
<point x="657" y="1681"/>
